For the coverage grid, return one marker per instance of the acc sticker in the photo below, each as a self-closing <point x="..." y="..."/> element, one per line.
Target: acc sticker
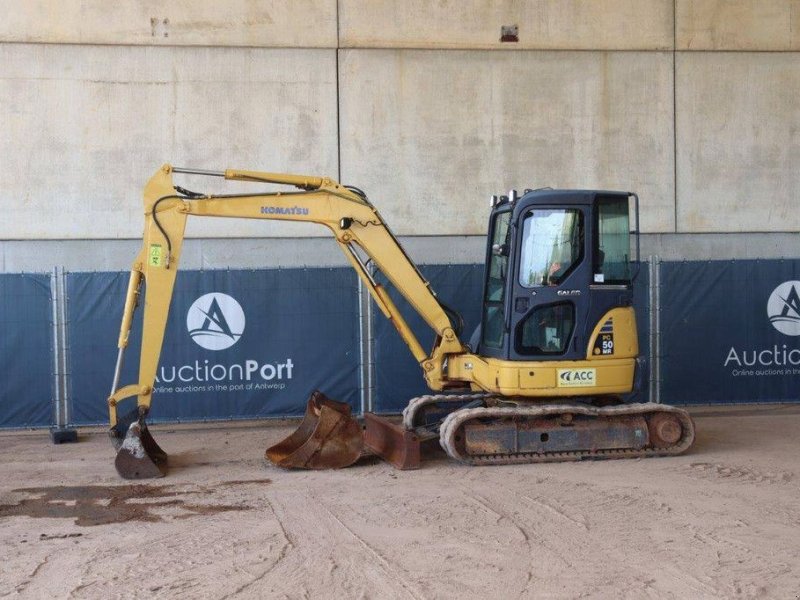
<point x="156" y="258"/>
<point x="576" y="377"/>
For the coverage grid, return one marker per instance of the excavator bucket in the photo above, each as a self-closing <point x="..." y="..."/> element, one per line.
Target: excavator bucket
<point x="328" y="438"/>
<point x="138" y="454"/>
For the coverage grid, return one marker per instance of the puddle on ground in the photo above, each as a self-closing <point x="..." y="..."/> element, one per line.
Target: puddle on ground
<point x="103" y="504"/>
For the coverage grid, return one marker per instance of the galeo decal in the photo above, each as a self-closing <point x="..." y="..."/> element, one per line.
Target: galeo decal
<point x="576" y="377"/>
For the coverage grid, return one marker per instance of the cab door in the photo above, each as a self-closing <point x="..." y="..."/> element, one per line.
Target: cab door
<point x="550" y="304"/>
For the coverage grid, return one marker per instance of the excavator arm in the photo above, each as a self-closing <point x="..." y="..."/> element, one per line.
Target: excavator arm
<point x="356" y="226"/>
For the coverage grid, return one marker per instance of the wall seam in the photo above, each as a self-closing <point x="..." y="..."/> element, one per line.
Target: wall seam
<point x="675" y="115"/>
<point x="338" y="99"/>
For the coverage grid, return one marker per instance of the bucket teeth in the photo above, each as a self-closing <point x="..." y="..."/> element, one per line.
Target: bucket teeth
<point x="138" y="455"/>
<point x="328" y="438"/>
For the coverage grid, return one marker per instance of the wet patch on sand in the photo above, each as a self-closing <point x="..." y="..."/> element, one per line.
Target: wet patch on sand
<point x="104" y="504"/>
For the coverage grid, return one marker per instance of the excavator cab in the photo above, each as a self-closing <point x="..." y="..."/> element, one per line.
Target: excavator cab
<point x="557" y="262"/>
<point x="557" y="352"/>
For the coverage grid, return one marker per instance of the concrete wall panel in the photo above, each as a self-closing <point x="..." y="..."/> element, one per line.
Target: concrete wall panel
<point x="738" y="142"/>
<point x="738" y="24"/>
<point x="260" y="23"/>
<point x="34" y="256"/>
<point x="543" y="24"/>
<point x="84" y="127"/>
<point x="431" y="134"/>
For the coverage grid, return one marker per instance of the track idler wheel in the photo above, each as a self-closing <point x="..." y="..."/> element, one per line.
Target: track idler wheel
<point x="664" y="429"/>
<point x="138" y="454"/>
<point x="328" y="438"/>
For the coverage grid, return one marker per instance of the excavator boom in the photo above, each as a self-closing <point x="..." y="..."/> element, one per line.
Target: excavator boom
<point x="357" y="228"/>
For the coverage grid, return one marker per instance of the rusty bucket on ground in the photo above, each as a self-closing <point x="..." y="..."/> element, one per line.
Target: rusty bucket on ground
<point x="328" y="438"/>
<point x="138" y="454"/>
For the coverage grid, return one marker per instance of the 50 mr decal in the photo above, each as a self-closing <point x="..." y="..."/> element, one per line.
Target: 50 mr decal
<point x="604" y="344"/>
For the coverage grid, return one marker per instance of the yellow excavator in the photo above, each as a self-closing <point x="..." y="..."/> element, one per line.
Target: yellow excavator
<point x="549" y="374"/>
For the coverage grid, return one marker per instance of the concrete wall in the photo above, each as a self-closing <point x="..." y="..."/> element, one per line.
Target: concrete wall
<point x="738" y="25"/>
<point x="476" y="24"/>
<point x="447" y="129"/>
<point x="259" y="23"/>
<point x="739" y="141"/>
<point x="85" y="126"/>
<point x="691" y="103"/>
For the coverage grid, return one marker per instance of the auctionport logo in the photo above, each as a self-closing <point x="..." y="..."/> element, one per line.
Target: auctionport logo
<point x="783" y="308"/>
<point x="215" y="321"/>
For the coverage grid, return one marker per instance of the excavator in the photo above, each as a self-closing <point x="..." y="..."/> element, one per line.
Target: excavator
<point x="550" y="374"/>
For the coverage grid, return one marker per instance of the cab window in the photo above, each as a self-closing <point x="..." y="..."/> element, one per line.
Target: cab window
<point x="611" y="264"/>
<point x="552" y="246"/>
<point x="546" y="330"/>
<point x="493" y="313"/>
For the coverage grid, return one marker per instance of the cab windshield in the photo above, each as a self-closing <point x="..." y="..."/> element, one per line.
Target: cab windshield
<point x="552" y="246"/>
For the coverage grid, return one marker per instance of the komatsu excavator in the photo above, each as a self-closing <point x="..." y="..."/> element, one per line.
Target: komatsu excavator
<point x="548" y="375"/>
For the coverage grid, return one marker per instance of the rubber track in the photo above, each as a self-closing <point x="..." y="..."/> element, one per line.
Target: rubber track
<point x="454" y="421"/>
<point x="415" y="404"/>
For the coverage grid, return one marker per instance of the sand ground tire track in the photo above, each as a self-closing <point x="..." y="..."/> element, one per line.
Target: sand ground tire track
<point x="324" y="551"/>
<point x="717" y="522"/>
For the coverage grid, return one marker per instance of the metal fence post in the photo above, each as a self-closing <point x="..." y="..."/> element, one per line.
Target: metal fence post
<point x="654" y="267"/>
<point x="65" y="353"/>
<point x="57" y="414"/>
<point x="367" y="347"/>
<point x="60" y="433"/>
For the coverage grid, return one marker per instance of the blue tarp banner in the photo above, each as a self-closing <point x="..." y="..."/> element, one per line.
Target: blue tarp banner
<point x="245" y="344"/>
<point x="238" y="344"/>
<point x="398" y="377"/>
<point x="26" y="351"/>
<point x="730" y="331"/>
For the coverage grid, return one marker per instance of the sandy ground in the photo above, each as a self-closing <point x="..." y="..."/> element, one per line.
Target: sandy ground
<point x="720" y="522"/>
